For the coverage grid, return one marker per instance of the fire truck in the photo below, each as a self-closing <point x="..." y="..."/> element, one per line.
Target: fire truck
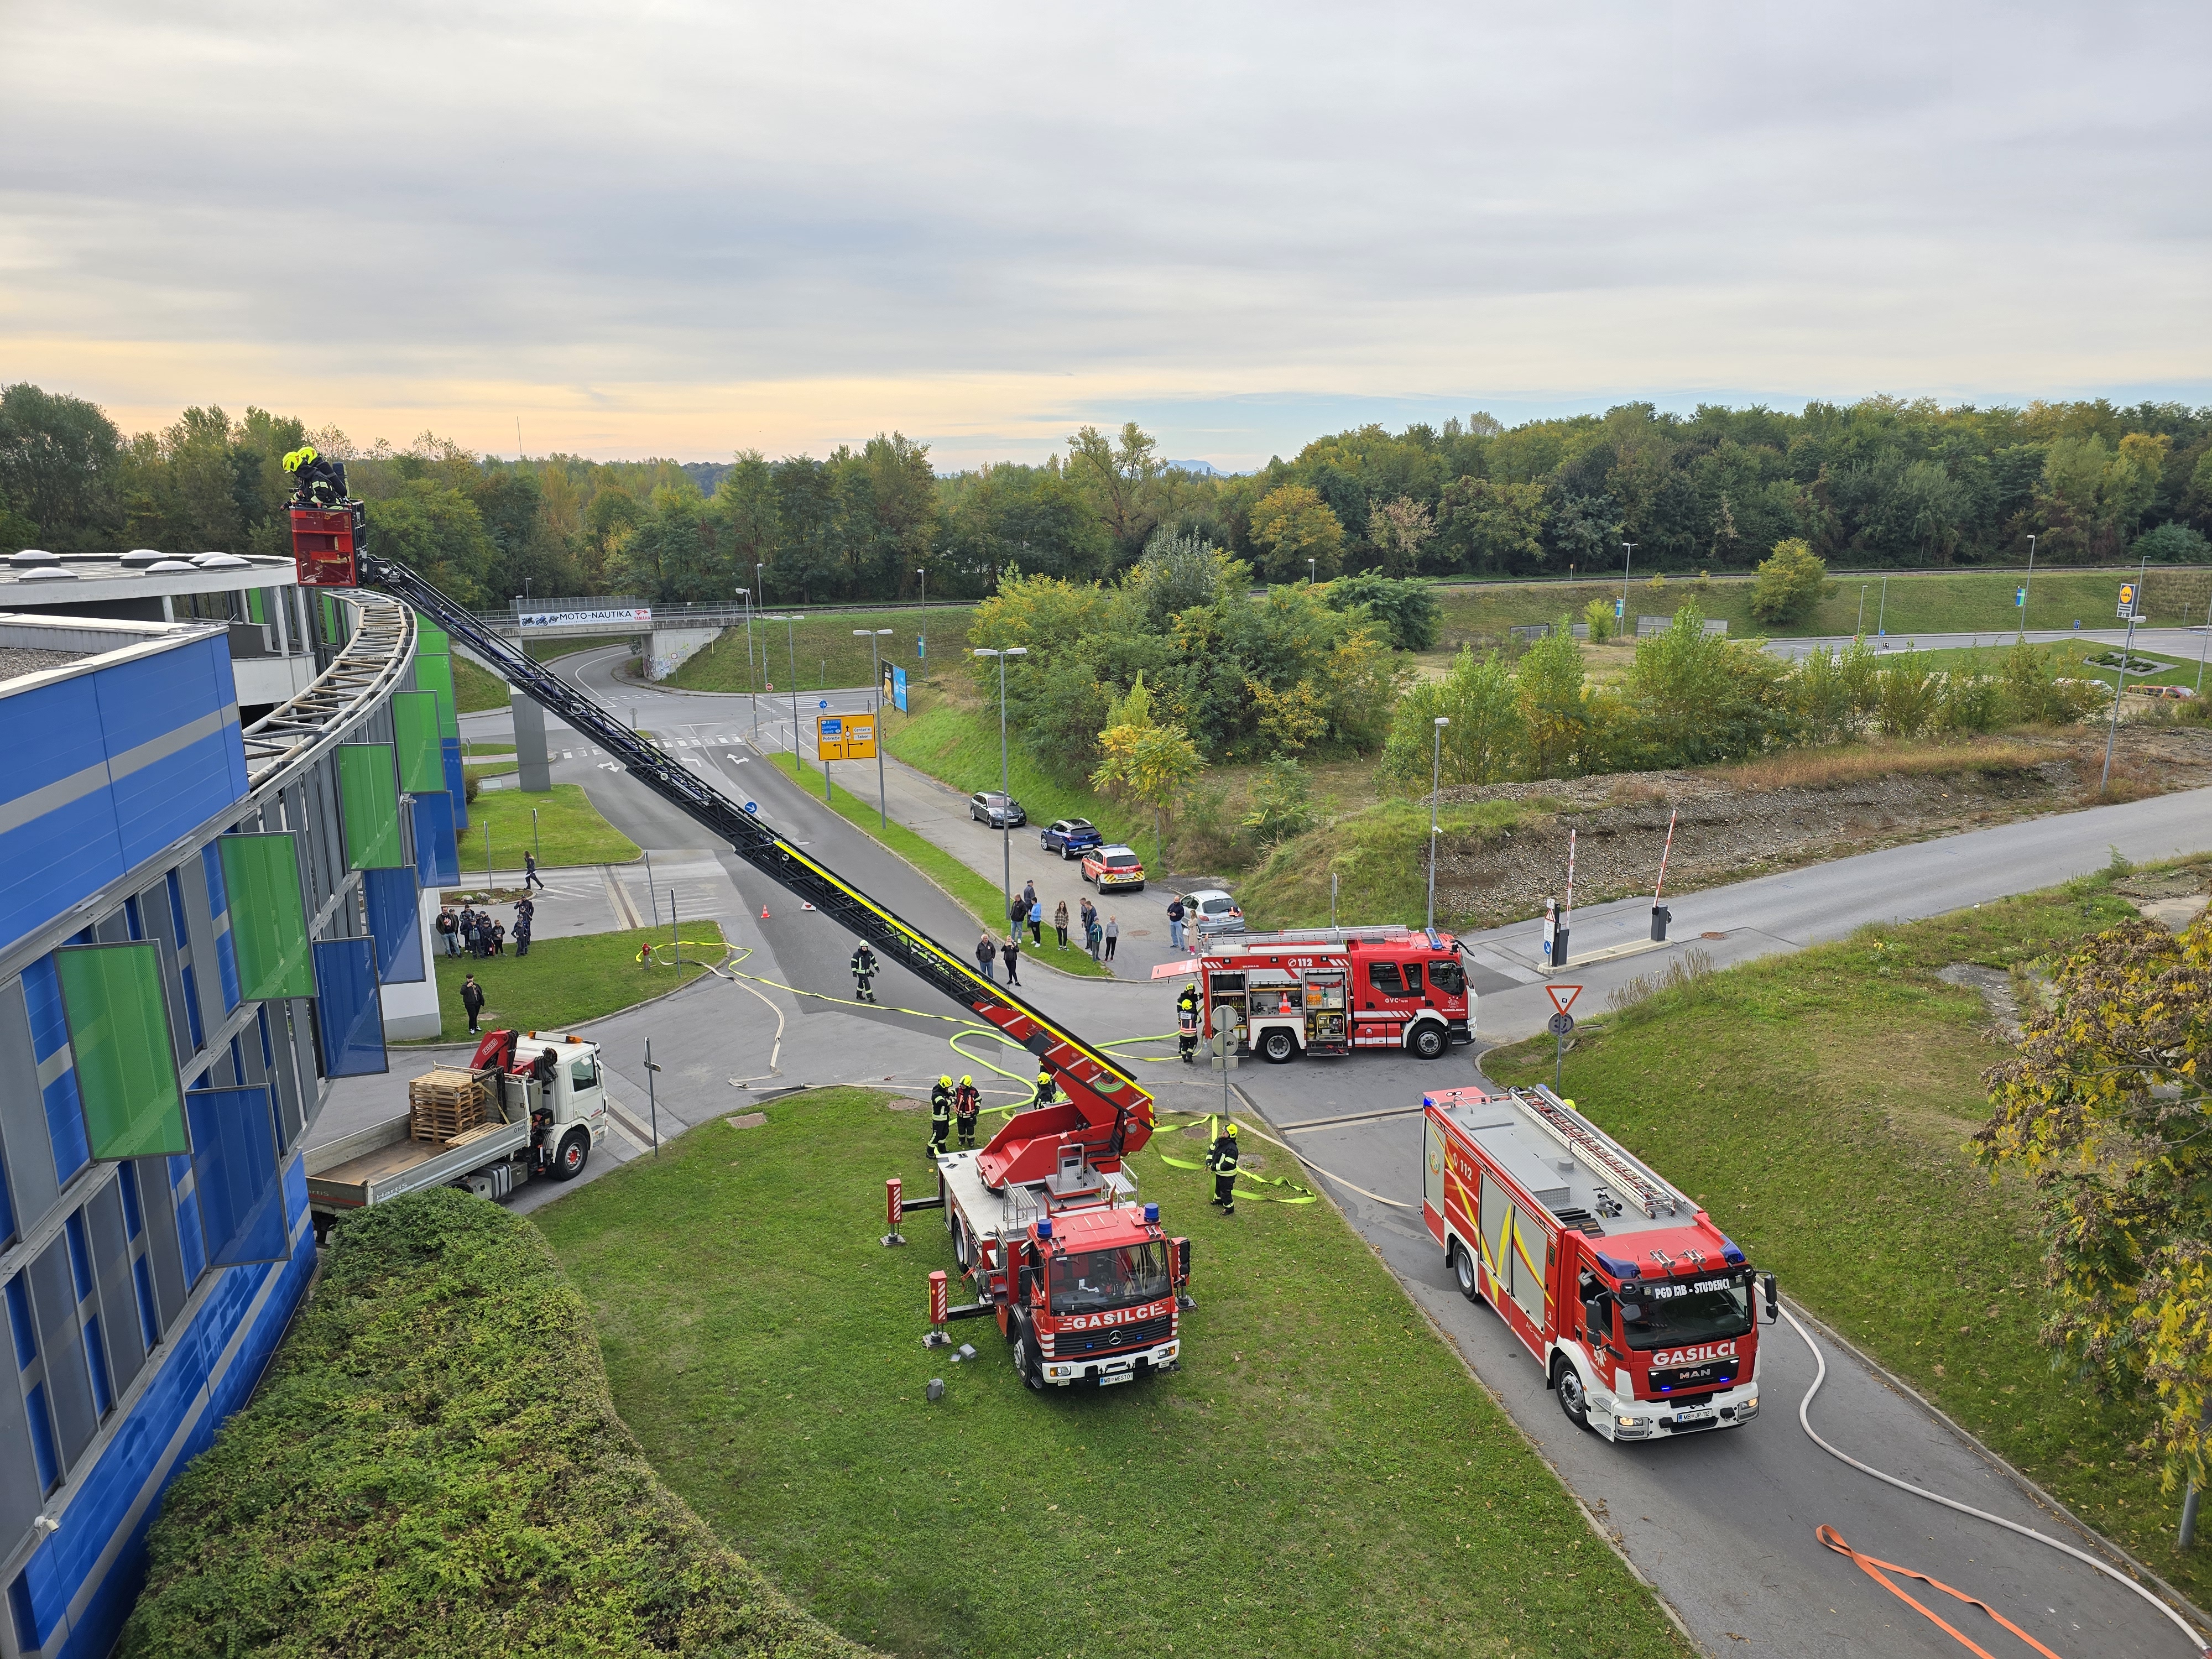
<point x="1328" y="991"/>
<point x="1644" y="1315"/>
<point x="1080" y="1277"/>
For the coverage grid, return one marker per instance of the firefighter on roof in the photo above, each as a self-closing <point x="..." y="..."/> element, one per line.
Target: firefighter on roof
<point x="966" y="1103"/>
<point x="940" y="1114"/>
<point x="1222" y="1160"/>
<point x="1186" y="1021"/>
<point x="864" y="971"/>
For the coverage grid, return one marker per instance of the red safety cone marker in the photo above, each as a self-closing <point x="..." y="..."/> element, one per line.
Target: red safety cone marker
<point x="763" y="913"/>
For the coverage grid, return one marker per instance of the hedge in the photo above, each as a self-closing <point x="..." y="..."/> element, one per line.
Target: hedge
<point x="434" y="1467"/>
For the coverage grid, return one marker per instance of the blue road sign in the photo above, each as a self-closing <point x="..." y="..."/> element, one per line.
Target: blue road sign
<point x="898" y="689"/>
<point x="824" y="703"/>
<point x="1616" y="606"/>
<point x="2020" y="597"/>
<point x="752" y="806"/>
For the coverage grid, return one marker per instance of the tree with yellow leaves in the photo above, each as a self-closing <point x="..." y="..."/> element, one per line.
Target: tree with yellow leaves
<point x="1146" y="761"/>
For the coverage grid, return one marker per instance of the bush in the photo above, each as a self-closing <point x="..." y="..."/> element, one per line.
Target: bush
<point x="472" y="786"/>
<point x="434" y="1467"/>
<point x="1788" y="585"/>
<point x="1407" y="610"/>
<point x="2173" y="543"/>
<point x="1282" y="802"/>
<point x="1598" y="613"/>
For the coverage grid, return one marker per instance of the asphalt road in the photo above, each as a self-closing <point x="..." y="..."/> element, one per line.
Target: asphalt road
<point x="1722" y="1524"/>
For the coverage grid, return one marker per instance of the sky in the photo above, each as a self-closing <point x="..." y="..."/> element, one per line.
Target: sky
<point x="674" y="229"/>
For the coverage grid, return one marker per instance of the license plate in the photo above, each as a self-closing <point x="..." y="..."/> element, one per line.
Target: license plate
<point x="1702" y="1415"/>
<point x="1109" y="1378"/>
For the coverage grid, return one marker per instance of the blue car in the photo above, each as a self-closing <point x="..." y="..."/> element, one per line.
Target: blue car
<point x="1070" y="837"/>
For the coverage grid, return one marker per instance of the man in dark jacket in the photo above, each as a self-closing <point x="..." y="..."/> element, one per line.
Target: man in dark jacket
<point x="1187" y="1022"/>
<point x="472" y="998"/>
<point x="1222" y="1160"/>
<point x="986" y="957"/>
<point x="448" y="925"/>
<point x="940" y="1114"/>
<point x="967" y="1104"/>
<point x="1010" y="954"/>
<point x="863" y="973"/>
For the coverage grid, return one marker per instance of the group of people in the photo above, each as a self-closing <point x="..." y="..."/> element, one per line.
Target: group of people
<point x="964" y="1102"/>
<point x="1026" y="910"/>
<point x="479" y="934"/>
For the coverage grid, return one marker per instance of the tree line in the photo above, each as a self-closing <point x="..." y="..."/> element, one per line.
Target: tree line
<point x="1880" y="483"/>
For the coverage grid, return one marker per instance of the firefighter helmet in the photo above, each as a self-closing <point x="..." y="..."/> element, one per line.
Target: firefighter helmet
<point x="1233" y="1128"/>
<point x="966" y="1082"/>
<point x="945" y="1077"/>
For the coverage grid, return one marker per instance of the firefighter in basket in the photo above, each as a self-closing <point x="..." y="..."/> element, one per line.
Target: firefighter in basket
<point x="966" y="1103"/>
<point x="1186" y="1021"/>
<point x="940" y="1116"/>
<point x="315" y="482"/>
<point x="863" y="973"/>
<point x="1222" y="1160"/>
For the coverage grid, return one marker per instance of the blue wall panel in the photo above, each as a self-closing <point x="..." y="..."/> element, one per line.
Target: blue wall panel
<point x="347" y="1011"/>
<point x="457" y="783"/>
<point x="57" y="859"/>
<point x="174" y="795"/>
<point x="437" y="856"/>
<point x="235" y="1176"/>
<point x="42" y="1000"/>
<point x="395" y="922"/>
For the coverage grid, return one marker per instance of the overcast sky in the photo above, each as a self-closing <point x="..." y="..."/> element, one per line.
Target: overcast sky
<point x="683" y="229"/>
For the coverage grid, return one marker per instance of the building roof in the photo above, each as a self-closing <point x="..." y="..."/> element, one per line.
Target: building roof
<point x="33" y="578"/>
<point x="39" y="650"/>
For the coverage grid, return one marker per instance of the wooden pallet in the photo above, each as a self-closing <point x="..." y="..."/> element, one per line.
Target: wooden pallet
<point x="444" y="1103"/>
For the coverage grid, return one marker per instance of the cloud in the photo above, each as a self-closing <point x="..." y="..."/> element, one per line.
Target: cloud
<point x="690" y="228"/>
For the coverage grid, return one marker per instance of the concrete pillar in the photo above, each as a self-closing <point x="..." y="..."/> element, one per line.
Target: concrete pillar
<point x="531" y="772"/>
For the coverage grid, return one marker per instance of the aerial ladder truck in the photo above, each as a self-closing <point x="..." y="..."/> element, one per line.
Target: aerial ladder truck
<point x="1075" y="1146"/>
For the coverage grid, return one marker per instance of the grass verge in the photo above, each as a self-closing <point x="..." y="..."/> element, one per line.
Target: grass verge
<point x="1323" y="1478"/>
<point x="1818" y="1105"/>
<point x="974" y="893"/>
<point x="823" y="653"/>
<point x="1379" y="859"/>
<point x="1835" y="764"/>
<point x="567" y="830"/>
<point x="959" y="746"/>
<point x="433" y="1466"/>
<point x="565" y="981"/>
<point x="476" y="688"/>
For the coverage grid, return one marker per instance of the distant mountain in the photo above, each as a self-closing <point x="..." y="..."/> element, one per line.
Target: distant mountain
<point x="1204" y="469"/>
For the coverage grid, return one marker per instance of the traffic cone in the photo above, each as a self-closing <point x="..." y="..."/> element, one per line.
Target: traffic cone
<point x="763" y="913"/>
<point x="804" y="905"/>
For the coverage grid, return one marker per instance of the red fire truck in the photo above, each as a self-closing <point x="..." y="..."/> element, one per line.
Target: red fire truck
<point x="1644" y="1314"/>
<point x="1328" y="991"/>
<point x="1079" y="1276"/>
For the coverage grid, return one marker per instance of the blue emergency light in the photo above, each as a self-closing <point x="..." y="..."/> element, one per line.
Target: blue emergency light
<point x="1152" y="1215"/>
<point x="1044" y="1226"/>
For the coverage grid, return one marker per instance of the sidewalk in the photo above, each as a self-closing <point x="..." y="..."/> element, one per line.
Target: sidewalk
<point x="609" y="898"/>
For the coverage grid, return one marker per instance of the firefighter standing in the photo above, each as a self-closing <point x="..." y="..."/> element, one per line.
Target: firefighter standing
<point x="1222" y="1160"/>
<point x="864" y="972"/>
<point x="1186" y="1021"/>
<point x="966" y="1103"/>
<point x="1047" y="1091"/>
<point x="940" y="1116"/>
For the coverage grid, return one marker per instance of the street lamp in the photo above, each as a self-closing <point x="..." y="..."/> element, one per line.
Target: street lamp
<point x="2027" y="588"/>
<point x="792" y="645"/>
<point x="1312" y="575"/>
<point x="922" y="633"/>
<point x="745" y="597"/>
<point x="1628" y="557"/>
<point x="1006" y="784"/>
<point x="882" y="798"/>
<point x="1436" y="782"/>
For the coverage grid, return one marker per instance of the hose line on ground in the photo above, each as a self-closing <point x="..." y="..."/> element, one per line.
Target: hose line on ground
<point x="1805" y="1421"/>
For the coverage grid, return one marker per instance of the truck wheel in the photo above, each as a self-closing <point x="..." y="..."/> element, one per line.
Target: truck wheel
<point x="1573" y="1400"/>
<point x="961" y="1252"/>
<point x="1276" y="1047"/>
<point x="1026" y="1360"/>
<point x="575" y="1153"/>
<point x="1427" y="1041"/>
<point x="1463" y="1270"/>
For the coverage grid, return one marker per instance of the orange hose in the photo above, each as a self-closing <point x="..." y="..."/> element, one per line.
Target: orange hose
<point x="1875" y="1569"/>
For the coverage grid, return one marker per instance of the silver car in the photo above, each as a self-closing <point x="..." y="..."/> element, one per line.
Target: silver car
<point x="1209" y="911"/>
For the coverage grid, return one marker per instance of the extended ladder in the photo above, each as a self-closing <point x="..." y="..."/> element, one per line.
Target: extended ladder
<point x="1646" y="1189"/>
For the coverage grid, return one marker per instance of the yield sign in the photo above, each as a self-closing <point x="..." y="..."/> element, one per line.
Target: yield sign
<point x="1563" y="996"/>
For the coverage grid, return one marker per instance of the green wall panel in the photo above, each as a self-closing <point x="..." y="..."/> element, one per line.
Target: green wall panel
<point x="368" y="791"/>
<point x="268" y="918"/>
<point x="434" y="672"/>
<point x="119" y="1044"/>
<point x="429" y="637"/>
<point x="414" y="724"/>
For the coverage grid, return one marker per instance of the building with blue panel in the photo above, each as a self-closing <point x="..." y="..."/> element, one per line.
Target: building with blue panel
<point x="143" y="1294"/>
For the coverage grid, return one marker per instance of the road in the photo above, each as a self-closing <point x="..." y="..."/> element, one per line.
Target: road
<point x="1723" y="1523"/>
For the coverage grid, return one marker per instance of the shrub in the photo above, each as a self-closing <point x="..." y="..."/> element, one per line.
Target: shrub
<point x="471" y="786"/>
<point x="1282" y="802"/>
<point x="1788" y="584"/>
<point x="1483" y="743"/>
<point x="1598" y="613"/>
<point x="2173" y="543"/>
<point x="433" y="1467"/>
<point x="1407" y="610"/>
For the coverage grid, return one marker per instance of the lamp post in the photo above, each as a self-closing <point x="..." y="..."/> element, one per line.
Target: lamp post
<point x="921" y="634"/>
<point x="2027" y="589"/>
<point x="745" y="598"/>
<point x="1881" y="610"/>
<point x="791" y="642"/>
<point x="1628" y="557"/>
<point x="1861" y="627"/>
<point x="1435" y="783"/>
<point x="1006" y="784"/>
<point x="2119" y="681"/>
<point x="875" y="656"/>
<point x="1312" y="572"/>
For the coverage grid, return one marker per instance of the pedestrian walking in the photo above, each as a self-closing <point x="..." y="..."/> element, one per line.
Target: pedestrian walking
<point x="1174" y="922"/>
<point x="940" y="1116"/>
<point x="986" y="957"/>
<point x="1037" y="921"/>
<point x="1059" y="923"/>
<point x="967" y="1102"/>
<point x="530" y="876"/>
<point x="472" y="999"/>
<point x="448" y="925"/>
<point x="863" y="973"/>
<point x="1222" y="1160"/>
<point x="1010" y="954"/>
<point x="1113" y="936"/>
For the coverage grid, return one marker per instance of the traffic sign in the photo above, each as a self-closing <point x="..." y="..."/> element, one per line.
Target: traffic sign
<point x="752" y="806"/>
<point x="2127" y="600"/>
<point x="1560" y="1025"/>
<point x="824" y="703"/>
<point x="2020" y="597"/>
<point x="1563" y="996"/>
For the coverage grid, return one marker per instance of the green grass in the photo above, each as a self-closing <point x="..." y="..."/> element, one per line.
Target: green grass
<point x="565" y="981"/>
<point x="568" y="830"/>
<point x="433" y="1466"/>
<point x="1323" y="1479"/>
<point x="959" y="746"/>
<point x="489" y="769"/>
<point x="1379" y="856"/>
<point x="824" y="651"/>
<point x="476" y="688"/>
<point x="2071" y="659"/>
<point x="974" y="894"/>
<point x="1817" y="1104"/>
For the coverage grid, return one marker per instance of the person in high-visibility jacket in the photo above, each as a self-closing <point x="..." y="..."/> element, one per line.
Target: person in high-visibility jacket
<point x="1222" y="1160"/>
<point x="1047" y="1091"/>
<point x="863" y="973"/>
<point x="1186" y="1021"/>
<point x="315" y="481"/>
<point x="940" y="1116"/>
<point x="967" y="1102"/>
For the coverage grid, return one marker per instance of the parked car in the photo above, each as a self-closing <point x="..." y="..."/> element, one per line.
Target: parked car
<point x="1070" y="837"/>
<point x="1209" y="911"/>
<point x="989" y="807"/>
<point x="1114" y="867"/>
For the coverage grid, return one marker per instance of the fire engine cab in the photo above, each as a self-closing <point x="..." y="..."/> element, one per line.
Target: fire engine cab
<point x="1328" y="991"/>
<point x="1644" y="1314"/>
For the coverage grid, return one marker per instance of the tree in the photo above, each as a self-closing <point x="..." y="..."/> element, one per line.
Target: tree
<point x="60" y="465"/>
<point x="1788" y="583"/>
<point x="1399" y="530"/>
<point x="1145" y="761"/>
<point x="2103" y="1107"/>
<point x="1553" y="703"/>
<point x="1484" y="742"/>
<point x="1292" y="525"/>
<point x="1282" y="802"/>
<point x="1598" y="613"/>
<point x="1121" y="476"/>
<point x="1406" y="611"/>
<point x="1698" y="697"/>
<point x="2173" y="543"/>
<point x="438" y="533"/>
